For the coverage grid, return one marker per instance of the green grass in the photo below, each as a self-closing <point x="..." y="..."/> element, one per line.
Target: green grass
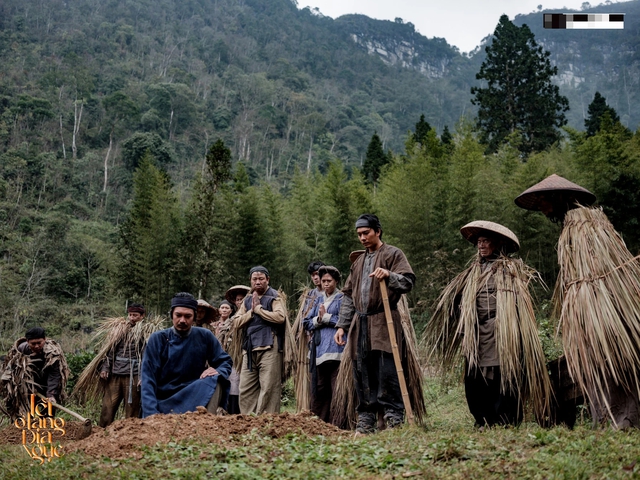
<point x="449" y="447"/>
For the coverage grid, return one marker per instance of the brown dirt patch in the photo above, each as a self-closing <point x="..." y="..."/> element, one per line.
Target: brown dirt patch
<point x="10" y="435"/>
<point x="123" y="437"/>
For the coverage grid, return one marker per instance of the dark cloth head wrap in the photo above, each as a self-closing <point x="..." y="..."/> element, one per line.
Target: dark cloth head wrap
<point x="35" y="332"/>
<point x="184" y="299"/>
<point x="136" y="308"/>
<point x="225" y="302"/>
<point x="314" y="267"/>
<point x="259" y="269"/>
<point x="368" y="220"/>
<point x="333" y="271"/>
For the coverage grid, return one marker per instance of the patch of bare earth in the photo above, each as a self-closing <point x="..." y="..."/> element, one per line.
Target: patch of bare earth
<point x="123" y="438"/>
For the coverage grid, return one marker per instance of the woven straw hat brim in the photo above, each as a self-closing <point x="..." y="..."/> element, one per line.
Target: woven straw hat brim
<point x="471" y="231"/>
<point x="235" y="290"/>
<point x="531" y="198"/>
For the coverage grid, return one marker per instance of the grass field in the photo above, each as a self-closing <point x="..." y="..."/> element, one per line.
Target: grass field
<point x="449" y="447"/>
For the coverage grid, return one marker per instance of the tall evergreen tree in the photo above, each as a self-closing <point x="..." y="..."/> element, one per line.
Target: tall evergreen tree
<point x="199" y="243"/>
<point x="519" y="97"/>
<point x="596" y="110"/>
<point x="422" y="129"/>
<point x="374" y="160"/>
<point x="149" y="238"/>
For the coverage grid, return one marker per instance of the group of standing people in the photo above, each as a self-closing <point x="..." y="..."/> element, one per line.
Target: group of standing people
<point x="362" y="365"/>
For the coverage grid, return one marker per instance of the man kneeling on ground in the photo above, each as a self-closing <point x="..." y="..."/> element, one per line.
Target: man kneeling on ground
<point x="183" y="365"/>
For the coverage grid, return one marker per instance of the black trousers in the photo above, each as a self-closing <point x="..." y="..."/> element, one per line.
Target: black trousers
<point x="327" y="373"/>
<point x="488" y="405"/>
<point x="377" y="383"/>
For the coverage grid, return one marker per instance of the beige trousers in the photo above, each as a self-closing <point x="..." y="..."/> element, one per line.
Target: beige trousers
<point x="260" y="389"/>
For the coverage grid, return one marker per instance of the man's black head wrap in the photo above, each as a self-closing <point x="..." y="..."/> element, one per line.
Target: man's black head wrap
<point x="35" y="332"/>
<point x="259" y="269"/>
<point x="136" y="308"/>
<point x="314" y="267"/>
<point x="184" y="299"/>
<point x="368" y="220"/>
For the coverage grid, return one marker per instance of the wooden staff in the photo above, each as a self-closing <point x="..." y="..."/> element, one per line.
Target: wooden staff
<point x="396" y="353"/>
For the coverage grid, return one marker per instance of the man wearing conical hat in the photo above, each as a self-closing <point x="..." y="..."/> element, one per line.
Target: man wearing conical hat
<point x="596" y="299"/>
<point x="486" y="312"/>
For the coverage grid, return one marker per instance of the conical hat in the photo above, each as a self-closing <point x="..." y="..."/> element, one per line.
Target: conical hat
<point x="212" y="314"/>
<point x="353" y="256"/>
<point x="471" y="231"/>
<point x="530" y="198"/>
<point x="235" y="290"/>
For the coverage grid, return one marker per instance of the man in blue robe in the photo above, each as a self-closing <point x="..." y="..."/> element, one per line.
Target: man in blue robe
<point x="182" y="365"/>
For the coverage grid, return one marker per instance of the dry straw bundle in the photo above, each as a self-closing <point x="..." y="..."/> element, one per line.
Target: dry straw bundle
<point x="344" y="403"/>
<point x="18" y="372"/>
<point x="302" y="377"/>
<point x="110" y="332"/>
<point x="453" y="329"/>
<point x="597" y="300"/>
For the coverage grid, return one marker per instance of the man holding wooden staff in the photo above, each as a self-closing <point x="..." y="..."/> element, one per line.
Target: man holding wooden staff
<point x="369" y="351"/>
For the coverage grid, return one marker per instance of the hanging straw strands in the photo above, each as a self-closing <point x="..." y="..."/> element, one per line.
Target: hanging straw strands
<point x="110" y="332"/>
<point x="597" y="301"/>
<point x="453" y="329"/>
<point x="345" y="401"/>
<point x="415" y="378"/>
<point x="302" y="377"/>
<point x="17" y="376"/>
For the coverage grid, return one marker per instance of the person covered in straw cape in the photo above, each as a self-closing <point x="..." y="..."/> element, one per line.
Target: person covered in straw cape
<point x="596" y="300"/>
<point x="121" y="367"/>
<point x="302" y="378"/>
<point x="368" y="362"/>
<point x="35" y="364"/>
<point x="184" y="366"/>
<point x="325" y="353"/>
<point x="487" y="313"/>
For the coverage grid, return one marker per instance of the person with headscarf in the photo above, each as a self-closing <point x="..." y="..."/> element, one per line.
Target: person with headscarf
<point x="120" y="368"/>
<point x="183" y="365"/>
<point x="35" y="364"/>
<point x="325" y="353"/>
<point x="596" y="300"/>
<point x="226" y="310"/>
<point x="362" y="316"/>
<point x="260" y="325"/>
<point x="487" y="313"/>
<point x="302" y="378"/>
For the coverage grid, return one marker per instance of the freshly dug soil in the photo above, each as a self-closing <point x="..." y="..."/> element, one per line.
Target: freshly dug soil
<point x="10" y="435"/>
<point x="121" y="439"/>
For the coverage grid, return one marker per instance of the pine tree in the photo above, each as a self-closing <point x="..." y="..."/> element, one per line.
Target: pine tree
<point x="422" y="129"/>
<point x="519" y="97"/>
<point x="199" y="243"/>
<point x="446" y="138"/>
<point x="374" y="160"/>
<point x="596" y="110"/>
<point x="149" y="238"/>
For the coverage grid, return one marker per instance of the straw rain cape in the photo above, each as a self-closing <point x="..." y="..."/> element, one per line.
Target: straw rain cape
<point x="597" y="302"/>
<point x="343" y="407"/>
<point x="453" y="329"/>
<point x="17" y="376"/>
<point x="110" y="332"/>
<point x="302" y="377"/>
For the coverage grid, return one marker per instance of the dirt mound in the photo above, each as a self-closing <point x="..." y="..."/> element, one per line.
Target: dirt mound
<point x="121" y="439"/>
<point x="10" y="435"/>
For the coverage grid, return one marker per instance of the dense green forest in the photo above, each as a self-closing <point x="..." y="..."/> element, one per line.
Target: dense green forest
<point x="153" y="147"/>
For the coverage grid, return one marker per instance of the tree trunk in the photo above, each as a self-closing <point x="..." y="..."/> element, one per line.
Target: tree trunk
<point x="64" y="152"/>
<point x="106" y="162"/>
<point x="77" y="118"/>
